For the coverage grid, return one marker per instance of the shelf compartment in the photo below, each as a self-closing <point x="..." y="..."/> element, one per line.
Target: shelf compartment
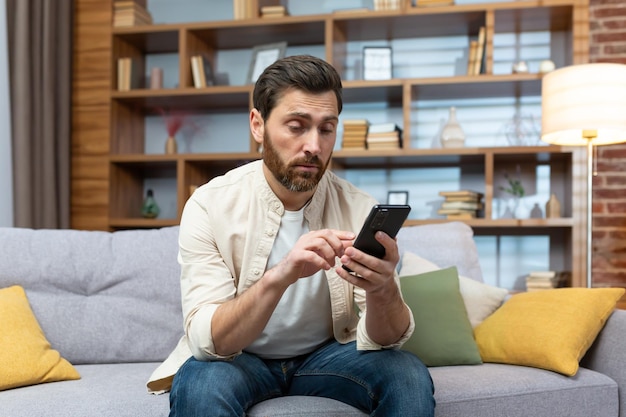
<point x="297" y="30"/>
<point x="128" y="177"/>
<point x="482" y="86"/>
<point x="219" y="97"/>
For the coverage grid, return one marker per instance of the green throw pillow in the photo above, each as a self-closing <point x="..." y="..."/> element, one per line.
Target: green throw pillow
<point x="443" y="333"/>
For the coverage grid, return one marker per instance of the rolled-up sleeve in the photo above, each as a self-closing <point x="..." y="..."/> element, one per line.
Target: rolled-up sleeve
<point x="206" y="281"/>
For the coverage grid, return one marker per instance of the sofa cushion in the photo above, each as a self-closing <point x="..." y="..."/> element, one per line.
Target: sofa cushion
<point x="480" y="299"/>
<point x="99" y="297"/>
<point x="550" y="329"/>
<point x="497" y="390"/>
<point x="105" y="390"/>
<point x="443" y="333"/>
<point x="445" y="244"/>
<point x="26" y="357"/>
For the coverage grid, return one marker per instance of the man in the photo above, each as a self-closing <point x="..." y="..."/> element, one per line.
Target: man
<point x="268" y="309"/>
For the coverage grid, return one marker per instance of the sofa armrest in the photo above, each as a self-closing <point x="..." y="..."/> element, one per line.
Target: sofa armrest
<point x="608" y="354"/>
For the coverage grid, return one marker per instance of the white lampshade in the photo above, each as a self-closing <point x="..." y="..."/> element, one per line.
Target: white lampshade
<point x="584" y="102"/>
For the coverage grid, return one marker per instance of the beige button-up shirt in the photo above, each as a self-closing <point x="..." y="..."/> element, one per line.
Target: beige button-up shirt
<point x="227" y="232"/>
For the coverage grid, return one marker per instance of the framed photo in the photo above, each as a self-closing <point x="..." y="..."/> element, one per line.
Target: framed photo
<point x="263" y="56"/>
<point x="398" y="197"/>
<point x="377" y="63"/>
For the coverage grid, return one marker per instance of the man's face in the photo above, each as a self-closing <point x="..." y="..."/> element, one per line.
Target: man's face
<point x="299" y="137"/>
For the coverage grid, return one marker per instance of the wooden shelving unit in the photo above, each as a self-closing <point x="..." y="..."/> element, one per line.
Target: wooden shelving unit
<point x="127" y="164"/>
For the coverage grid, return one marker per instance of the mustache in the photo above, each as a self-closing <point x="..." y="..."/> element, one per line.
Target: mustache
<point x="311" y="160"/>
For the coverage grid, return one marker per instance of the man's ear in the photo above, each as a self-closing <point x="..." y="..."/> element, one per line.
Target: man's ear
<point x="257" y="126"/>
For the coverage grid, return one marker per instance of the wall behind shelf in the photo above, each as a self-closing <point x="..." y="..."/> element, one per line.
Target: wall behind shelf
<point x="485" y="122"/>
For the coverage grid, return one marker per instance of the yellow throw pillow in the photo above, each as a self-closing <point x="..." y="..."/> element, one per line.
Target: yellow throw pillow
<point x="26" y="357"/>
<point x="550" y="329"/>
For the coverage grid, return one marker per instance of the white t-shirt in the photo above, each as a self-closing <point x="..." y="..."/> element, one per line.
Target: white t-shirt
<point x="302" y="320"/>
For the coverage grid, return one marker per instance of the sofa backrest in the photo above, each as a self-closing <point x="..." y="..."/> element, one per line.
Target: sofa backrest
<point x="444" y="244"/>
<point x="115" y="297"/>
<point x="99" y="297"/>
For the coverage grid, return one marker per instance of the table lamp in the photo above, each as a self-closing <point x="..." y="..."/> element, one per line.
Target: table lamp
<point x="585" y="105"/>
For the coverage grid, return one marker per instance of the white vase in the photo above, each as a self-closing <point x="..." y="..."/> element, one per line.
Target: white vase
<point x="452" y="136"/>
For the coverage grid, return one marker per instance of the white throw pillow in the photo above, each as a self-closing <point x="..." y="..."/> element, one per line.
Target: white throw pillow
<point x="481" y="300"/>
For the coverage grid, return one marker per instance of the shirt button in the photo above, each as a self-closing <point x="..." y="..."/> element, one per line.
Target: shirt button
<point x="256" y="271"/>
<point x="269" y="233"/>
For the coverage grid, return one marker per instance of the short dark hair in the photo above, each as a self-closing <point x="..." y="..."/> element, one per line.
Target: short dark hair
<point x="302" y="72"/>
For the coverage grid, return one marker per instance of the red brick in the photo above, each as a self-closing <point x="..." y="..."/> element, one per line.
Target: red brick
<point x="613" y="24"/>
<point x="610" y="12"/>
<point x="618" y="234"/>
<point x="614" y="221"/>
<point x="613" y="180"/>
<point x="600" y="194"/>
<point x="611" y="165"/>
<point x="599" y="3"/>
<point x="609" y="37"/>
<point x="616" y="207"/>
<point x="615" y="49"/>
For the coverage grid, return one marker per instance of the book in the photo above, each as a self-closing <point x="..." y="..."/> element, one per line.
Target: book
<point x="543" y="280"/>
<point x="130" y="13"/>
<point x="463" y="205"/>
<point x="274" y="11"/>
<point x="197" y="72"/>
<point x="383" y="127"/>
<point x="128" y="75"/>
<point x="425" y="3"/>
<point x="471" y="57"/>
<point x="461" y="193"/>
<point x="480" y="50"/>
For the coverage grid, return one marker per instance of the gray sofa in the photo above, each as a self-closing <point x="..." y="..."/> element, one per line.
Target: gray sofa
<point x="110" y="304"/>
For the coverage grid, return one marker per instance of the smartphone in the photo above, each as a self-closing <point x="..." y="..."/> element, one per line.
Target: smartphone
<point x="384" y="217"/>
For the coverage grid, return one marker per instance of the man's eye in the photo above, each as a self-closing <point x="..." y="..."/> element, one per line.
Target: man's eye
<point x="295" y="128"/>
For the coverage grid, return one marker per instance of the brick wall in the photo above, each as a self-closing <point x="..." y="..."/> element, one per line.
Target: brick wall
<point x="608" y="44"/>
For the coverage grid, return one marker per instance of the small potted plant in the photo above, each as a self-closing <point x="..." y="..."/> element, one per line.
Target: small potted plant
<point x="516" y="190"/>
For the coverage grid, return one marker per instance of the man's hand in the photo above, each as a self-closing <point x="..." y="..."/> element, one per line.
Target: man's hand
<point x="314" y="251"/>
<point x="387" y="317"/>
<point x="371" y="273"/>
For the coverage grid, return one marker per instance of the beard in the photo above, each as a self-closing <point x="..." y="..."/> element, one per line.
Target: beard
<point x="286" y="174"/>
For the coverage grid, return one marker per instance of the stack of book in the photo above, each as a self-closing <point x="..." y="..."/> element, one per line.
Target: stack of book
<point x="476" y="53"/>
<point x="545" y="280"/>
<point x="355" y="133"/>
<point x="387" y="4"/>
<point x="130" y="13"/>
<point x="384" y="136"/>
<point x="460" y="205"/>
<point x="274" y="11"/>
<point x="244" y="9"/>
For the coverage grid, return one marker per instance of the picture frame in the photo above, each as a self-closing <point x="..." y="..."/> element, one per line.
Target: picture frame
<point x="377" y="63"/>
<point x="398" y="197"/>
<point x="264" y="56"/>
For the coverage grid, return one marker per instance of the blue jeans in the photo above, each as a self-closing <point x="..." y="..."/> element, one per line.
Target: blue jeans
<point x="383" y="383"/>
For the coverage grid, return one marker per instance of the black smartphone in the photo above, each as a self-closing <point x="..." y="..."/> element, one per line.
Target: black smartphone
<point x="384" y="217"/>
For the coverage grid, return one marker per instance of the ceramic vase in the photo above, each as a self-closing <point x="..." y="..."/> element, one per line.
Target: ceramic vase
<point x="170" y="145"/>
<point x="452" y="135"/>
<point x="553" y="207"/>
